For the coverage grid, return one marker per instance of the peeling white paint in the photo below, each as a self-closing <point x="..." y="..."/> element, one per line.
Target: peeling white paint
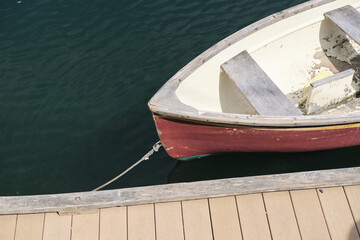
<point x="330" y="91"/>
<point x="340" y="46"/>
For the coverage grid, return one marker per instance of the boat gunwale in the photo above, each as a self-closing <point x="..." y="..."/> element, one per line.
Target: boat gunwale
<point x="263" y="127"/>
<point x="166" y="103"/>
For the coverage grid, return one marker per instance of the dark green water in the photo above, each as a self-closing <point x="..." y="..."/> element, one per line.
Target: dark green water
<point x="75" y="80"/>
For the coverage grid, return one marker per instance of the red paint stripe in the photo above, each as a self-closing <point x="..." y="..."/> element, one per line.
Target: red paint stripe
<point x="185" y="139"/>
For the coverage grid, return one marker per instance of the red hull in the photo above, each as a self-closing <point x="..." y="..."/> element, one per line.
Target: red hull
<point x="183" y="139"/>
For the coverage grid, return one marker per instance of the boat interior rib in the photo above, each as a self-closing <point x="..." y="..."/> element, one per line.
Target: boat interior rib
<point x="307" y="64"/>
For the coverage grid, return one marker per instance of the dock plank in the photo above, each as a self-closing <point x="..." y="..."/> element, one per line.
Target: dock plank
<point x="309" y="215"/>
<point x="29" y="226"/>
<point x="85" y="226"/>
<point x="197" y="224"/>
<point x="169" y="223"/>
<point x="281" y="216"/>
<point x="224" y="218"/>
<point x="141" y="222"/>
<point x="7" y="227"/>
<point x="353" y="195"/>
<point x="299" y="213"/>
<point x="337" y="214"/>
<point x="113" y="223"/>
<point x="57" y="227"/>
<point x="253" y="218"/>
<point x="67" y="203"/>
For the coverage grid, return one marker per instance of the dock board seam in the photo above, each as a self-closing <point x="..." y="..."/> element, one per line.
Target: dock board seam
<point x="352" y="214"/>
<point x="238" y="214"/>
<point x="43" y="227"/>
<point x="211" y="222"/>
<point x="182" y="219"/>
<point x="296" y="217"/>
<point x="155" y="233"/>
<point x="16" y="223"/>
<point x="127" y="223"/>
<point x="267" y="216"/>
<point x="323" y="213"/>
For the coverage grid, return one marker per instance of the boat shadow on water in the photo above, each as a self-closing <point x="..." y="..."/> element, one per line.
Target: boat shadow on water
<point x="252" y="164"/>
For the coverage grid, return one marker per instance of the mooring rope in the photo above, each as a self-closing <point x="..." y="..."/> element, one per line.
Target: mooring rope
<point x="155" y="148"/>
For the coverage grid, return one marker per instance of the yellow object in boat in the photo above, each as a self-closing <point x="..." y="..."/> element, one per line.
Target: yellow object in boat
<point x="322" y="74"/>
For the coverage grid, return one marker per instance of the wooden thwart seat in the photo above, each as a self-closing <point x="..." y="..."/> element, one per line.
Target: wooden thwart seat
<point x="330" y="91"/>
<point x="259" y="94"/>
<point x="348" y="20"/>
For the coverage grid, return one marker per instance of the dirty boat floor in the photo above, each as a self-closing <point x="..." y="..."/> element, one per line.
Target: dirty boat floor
<point x="306" y="205"/>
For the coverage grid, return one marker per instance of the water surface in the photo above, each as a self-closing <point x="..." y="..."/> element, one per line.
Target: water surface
<point x="76" y="77"/>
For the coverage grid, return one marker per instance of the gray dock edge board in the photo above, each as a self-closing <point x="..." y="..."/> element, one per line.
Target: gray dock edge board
<point x="87" y="201"/>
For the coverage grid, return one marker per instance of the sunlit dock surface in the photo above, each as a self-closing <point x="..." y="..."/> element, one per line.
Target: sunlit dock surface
<point x="305" y="205"/>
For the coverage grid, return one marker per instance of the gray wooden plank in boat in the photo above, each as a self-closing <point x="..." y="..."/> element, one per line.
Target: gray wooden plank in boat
<point x="334" y="77"/>
<point x="347" y="19"/>
<point x="75" y="202"/>
<point x="257" y="88"/>
<point x="327" y="92"/>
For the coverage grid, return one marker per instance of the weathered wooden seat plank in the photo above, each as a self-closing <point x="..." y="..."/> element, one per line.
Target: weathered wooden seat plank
<point x="329" y="91"/>
<point x="347" y="19"/>
<point x="259" y="93"/>
<point x="353" y="196"/>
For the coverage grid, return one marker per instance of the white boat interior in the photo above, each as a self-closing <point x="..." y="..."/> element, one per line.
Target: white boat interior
<point x="312" y="58"/>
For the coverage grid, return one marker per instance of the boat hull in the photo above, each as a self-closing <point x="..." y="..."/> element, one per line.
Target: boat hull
<point x="183" y="139"/>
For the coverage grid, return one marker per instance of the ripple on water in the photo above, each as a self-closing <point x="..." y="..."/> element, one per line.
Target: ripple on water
<point x="76" y="77"/>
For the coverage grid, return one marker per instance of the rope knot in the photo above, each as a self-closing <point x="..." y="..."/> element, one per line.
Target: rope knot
<point x="157" y="146"/>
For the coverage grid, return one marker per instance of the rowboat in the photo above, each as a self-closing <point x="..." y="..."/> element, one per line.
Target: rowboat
<point x="287" y="83"/>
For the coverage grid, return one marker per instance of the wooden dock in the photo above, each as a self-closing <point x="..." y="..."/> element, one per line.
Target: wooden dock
<point x="306" y="205"/>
